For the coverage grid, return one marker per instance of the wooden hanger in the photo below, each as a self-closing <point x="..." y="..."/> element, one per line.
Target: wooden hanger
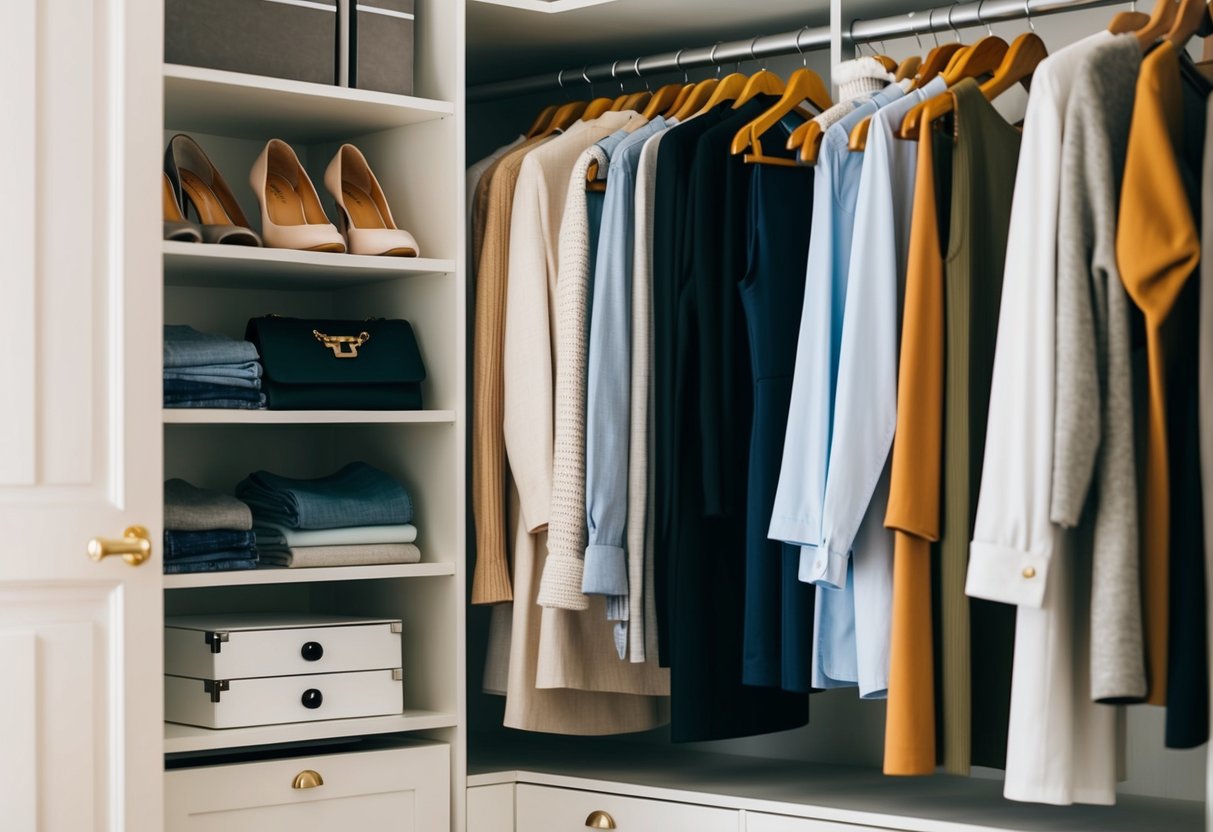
<point x="907" y="69"/>
<point x="596" y="108"/>
<point x="1192" y="16"/>
<point x="728" y="89"/>
<point x="761" y="82"/>
<point x="563" y="117"/>
<point x="1124" y="22"/>
<point x="804" y="85"/>
<point x="699" y="95"/>
<point x="936" y="62"/>
<point x="683" y="95"/>
<point x="982" y="58"/>
<point x="1160" y="23"/>
<point x="1025" y="54"/>
<point x="661" y="101"/>
<point x="888" y="63"/>
<point x="637" y="100"/>
<point x="542" y="120"/>
<point x="618" y="101"/>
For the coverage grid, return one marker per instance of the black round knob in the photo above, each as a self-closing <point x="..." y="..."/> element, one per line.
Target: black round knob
<point x="312" y="699"/>
<point x="312" y="651"/>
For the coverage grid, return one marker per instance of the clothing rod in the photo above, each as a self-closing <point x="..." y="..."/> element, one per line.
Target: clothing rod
<point x="807" y="39"/>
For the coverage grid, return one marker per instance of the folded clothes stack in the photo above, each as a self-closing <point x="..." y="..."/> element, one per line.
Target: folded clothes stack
<point x="203" y="369"/>
<point x="358" y="516"/>
<point x="205" y="531"/>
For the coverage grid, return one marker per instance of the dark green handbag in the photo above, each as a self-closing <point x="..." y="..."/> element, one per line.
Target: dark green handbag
<point x="324" y="364"/>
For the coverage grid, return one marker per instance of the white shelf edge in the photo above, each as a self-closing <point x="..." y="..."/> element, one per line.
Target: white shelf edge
<point x="180" y="739"/>
<point x="284" y="86"/>
<point x="261" y="262"/>
<point x="204" y="416"/>
<point x="333" y="574"/>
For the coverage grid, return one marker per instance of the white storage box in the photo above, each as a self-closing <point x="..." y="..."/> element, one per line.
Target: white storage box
<point x="240" y="703"/>
<point x="272" y="644"/>
<point x="236" y="671"/>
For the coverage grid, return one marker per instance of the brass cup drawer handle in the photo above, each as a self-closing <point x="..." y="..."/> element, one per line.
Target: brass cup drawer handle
<point x="307" y="779"/>
<point x="135" y="547"/>
<point x="599" y="820"/>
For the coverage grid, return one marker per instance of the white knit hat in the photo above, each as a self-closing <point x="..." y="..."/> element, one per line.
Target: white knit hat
<point x="862" y="76"/>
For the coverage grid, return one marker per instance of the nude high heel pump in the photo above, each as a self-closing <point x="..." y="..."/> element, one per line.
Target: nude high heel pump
<point x="175" y="226"/>
<point x="362" y="209"/>
<point x="291" y="215"/>
<point x="197" y="183"/>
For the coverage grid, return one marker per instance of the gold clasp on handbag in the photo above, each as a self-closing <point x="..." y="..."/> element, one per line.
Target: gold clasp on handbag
<point x="343" y="346"/>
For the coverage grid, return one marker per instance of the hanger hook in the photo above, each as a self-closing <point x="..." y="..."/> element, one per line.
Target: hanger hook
<point x="914" y="29"/>
<point x="712" y="57"/>
<point x="851" y="37"/>
<point x="686" y="79"/>
<point x="753" y="56"/>
<point x="804" y="59"/>
<point x="981" y="21"/>
<point x="614" y="67"/>
<point x="1027" y="9"/>
<point x="636" y="69"/>
<point x="560" y="81"/>
<point x="951" y="25"/>
<point x="587" y="80"/>
<point x="931" y="27"/>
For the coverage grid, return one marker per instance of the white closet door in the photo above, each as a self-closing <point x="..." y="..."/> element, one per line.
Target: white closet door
<point x="81" y="737"/>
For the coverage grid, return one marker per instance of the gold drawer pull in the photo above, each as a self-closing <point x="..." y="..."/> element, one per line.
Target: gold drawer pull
<point x="135" y="546"/>
<point x="600" y="820"/>
<point x="307" y="779"/>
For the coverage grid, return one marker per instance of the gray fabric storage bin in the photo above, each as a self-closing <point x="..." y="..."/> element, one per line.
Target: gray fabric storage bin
<point x="261" y="37"/>
<point x="381" y="45"/>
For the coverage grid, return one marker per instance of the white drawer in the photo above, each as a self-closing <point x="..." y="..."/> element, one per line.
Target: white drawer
<point x="250" y="645"/>
<point x="281" y="699"/>
<point x="395" y="790"/>
<point x="546" y="809"/>
<point x="757" y="822"/>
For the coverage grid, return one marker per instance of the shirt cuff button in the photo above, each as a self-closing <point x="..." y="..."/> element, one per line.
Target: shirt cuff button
<point x="1029" y="572"/>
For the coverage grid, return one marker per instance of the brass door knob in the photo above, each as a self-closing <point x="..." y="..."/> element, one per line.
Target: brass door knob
<point x="600" y="820"/>
<point x="307" y="779"/>
<point x="135" y="546"/>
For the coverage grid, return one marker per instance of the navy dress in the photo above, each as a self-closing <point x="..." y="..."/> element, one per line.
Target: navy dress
<point x="778" y="638"/>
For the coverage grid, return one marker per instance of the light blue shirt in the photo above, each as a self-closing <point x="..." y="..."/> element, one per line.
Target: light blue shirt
<point x="800" y="496"/>
<point x="865" y="402"/>
<point x="608" y="407"/>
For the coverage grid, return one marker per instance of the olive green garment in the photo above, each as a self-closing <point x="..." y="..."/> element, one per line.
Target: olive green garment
<point x="978" y="636"/>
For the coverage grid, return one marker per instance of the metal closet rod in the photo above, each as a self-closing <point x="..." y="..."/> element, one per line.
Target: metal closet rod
<point x="806" y="39"/>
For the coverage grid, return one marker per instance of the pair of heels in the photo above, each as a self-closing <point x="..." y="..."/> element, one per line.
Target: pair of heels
<point x="291" y="214"/>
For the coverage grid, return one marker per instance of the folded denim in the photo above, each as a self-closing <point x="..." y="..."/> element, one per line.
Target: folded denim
<point x="185" y="346"/>
<point x="349" y="536"/>
<point x="235" y="375"/>
<point x="218" y="404"/>
<point x="209" y="566"/>
<point x="305" y="557"/>
<point x="177" y="386"/>
<point x="188" y="508"/>
<point x="179" y="544"/>
<point x="357" y="495"/>
<point x="245" y="553"/>
<point x="239" y="394"/>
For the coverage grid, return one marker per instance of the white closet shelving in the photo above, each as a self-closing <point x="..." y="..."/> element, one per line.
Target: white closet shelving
<point x="415" y="146"/>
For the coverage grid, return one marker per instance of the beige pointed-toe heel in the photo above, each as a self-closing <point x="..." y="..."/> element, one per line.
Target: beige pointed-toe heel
<point x="291" y="214"/>
<point x="362" y="210"/>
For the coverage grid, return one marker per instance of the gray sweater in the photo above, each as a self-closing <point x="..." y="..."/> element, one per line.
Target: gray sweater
<point x="1094" y="464"/>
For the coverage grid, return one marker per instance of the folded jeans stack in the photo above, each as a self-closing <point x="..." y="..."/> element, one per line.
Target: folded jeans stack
<point x="205" y="531"/>
<point x="358" y="516"/>
<point x="204" y="369"/>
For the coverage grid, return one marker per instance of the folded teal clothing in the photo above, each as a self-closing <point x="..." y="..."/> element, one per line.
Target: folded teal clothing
<point x="233" y="375"/>
<point x="347" y="536"/>
<point x="179" y="544"/>
<point x="357" y="495"/>
<point x="185" y="346"/>
<point x="210" y="566"/>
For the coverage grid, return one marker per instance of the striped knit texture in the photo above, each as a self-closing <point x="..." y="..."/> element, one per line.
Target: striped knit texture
<point x="560" y="587"/>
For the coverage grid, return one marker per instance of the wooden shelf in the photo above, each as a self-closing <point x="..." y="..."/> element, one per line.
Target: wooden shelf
<point x="180" y="739"/>
<point x="203" y="416"/>
<point x="332" y="574"/>
<point x="256" y="107"/>
<point x="243" y="267"/>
